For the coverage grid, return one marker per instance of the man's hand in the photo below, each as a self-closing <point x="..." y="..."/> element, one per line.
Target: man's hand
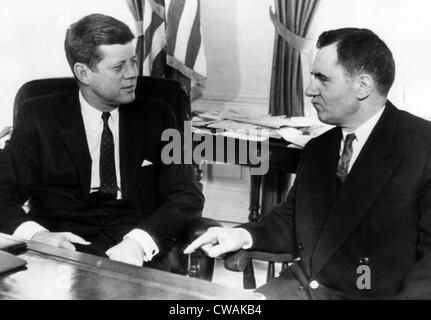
<point x="59" y="239"/>
<point x="218" y="241"/>
<point x="127" y="251"/>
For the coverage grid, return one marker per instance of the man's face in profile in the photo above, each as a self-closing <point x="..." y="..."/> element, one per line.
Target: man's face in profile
<point x="333" y="90"/>
<point x="113" y="79"/>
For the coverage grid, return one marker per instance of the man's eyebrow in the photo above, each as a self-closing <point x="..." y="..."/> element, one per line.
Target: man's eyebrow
<point x="123" y="61"/>
<point x="319" y="75"/>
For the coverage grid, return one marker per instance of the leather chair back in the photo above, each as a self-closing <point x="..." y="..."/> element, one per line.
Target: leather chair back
<point x="198" y="265"/>
<point x="168" y="91"/>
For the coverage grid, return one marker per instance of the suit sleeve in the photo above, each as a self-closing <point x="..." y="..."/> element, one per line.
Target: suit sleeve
<point x="181" y="197"/>
<point x="275" y="231"/>
<point x="417" y="283"/>
<point x="19" y="171"/>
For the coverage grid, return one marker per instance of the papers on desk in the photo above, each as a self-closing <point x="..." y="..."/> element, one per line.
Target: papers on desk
<point x="299" y="138"/>
<point x="249" y="135"/>
<point x="232" y="125"/>
<point x="268" y="121"/>
<point x="245" y="136"/>
<point x="295" y="136"/>
<point x="273" y="122"/>
<point x="297" y="130"/>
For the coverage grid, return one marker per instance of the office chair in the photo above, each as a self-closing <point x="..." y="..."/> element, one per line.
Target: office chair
<point x="242" y="259"/>
<point x="170" y="92"/>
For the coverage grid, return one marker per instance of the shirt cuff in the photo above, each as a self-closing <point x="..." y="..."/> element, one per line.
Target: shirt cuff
<point x="28" y="229"/>
<point x="247" y="238"/>
<point x="146" y="241"/>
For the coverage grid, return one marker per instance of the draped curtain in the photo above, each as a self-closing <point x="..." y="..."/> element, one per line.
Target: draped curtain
<point x="292" y="21"/>
<point x="287" y="89"/>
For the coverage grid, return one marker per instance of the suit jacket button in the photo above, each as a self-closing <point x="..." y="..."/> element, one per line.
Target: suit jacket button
<point x="364" y="260"/>
<point x="314" y="284"/>
<point x="301" y="246"/>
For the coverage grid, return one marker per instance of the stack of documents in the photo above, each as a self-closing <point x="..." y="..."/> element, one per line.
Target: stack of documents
<point x="296" y="130"/>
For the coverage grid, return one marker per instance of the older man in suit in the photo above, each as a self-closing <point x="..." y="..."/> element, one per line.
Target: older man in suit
<point x="90" y="161"/>
<point x="359" y="214"/>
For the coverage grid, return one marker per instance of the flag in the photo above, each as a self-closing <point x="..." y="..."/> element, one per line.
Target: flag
<point x="172" y="40"/>
<point x="185" y="50"/>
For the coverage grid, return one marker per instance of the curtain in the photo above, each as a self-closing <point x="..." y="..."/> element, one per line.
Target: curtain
<point x="287" y="90"/>
<point x="292" y="21"/>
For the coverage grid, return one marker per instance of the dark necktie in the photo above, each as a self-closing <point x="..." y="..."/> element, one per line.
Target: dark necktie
<point x="346" y="156"/>
<point x="108" y="178"/>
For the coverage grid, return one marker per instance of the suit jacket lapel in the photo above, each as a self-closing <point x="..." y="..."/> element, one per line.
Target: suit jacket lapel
<point x="73" y="133"/>
<point x="133" y="135"/>
<point x="317" y="192"/>
<point x="324" y="182"/>
<point x="371" y="171"/>
<point x="124" y="137"/>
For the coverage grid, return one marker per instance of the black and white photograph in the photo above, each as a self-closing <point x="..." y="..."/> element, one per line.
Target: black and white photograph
<point x="233" y="152"/>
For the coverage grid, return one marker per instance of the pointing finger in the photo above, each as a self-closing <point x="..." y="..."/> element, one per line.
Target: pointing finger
<point x="207" y="238"/>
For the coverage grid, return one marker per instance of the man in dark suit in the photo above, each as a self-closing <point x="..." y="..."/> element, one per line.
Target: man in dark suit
<point x="359" y="214"/>
<point x="90" y="161"/>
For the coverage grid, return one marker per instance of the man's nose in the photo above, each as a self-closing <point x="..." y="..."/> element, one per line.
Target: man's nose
<point x="132" y="71"/>
<point x="311" y="90"/>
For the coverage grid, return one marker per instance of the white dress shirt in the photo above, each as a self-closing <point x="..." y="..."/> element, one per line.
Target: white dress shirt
<point x="362" y="133"/>
<point x="93" y="125"/>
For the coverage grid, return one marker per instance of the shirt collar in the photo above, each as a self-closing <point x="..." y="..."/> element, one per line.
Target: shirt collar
<point x="91" y="114"/>
<point x="363" y="132"/>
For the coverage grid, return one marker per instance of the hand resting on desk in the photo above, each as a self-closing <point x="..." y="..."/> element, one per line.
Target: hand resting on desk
<point x="218" y="241"/>
<point x="63" y="240"/>
<point x="128" y="251"/>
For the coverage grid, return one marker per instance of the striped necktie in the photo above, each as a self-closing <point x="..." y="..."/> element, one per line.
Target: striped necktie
<point x="346" y="156"/>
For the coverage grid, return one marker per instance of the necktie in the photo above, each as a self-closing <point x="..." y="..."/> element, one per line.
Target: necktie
<point x="108" y="178"/>
<point x="346" y="156"/>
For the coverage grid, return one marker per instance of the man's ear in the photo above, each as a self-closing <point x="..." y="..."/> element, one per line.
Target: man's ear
<point x="82" y="72"/>
<point x="365" y="86"/>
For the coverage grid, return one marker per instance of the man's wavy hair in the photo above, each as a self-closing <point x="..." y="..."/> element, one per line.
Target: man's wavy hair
<point x="361" y="50"/>
<point x="86" y="35"/>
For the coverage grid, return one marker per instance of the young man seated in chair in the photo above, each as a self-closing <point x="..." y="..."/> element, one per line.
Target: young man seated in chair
<point x="90" y="162"/>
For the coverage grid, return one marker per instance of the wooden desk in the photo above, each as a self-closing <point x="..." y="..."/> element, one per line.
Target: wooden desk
<point x="58" y="274"/>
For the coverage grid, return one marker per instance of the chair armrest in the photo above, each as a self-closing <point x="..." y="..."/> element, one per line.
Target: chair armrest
<point x="199" y="264"/>
<point x="238" y="260"/>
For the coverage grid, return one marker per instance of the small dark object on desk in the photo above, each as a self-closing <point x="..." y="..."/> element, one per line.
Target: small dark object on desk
<point x="9" y="262"/>
<point x="12" y="246"/>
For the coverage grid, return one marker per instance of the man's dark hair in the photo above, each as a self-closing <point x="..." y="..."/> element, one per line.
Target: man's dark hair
<point x="361" y="50"/>
<point x="85" y="36"/>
